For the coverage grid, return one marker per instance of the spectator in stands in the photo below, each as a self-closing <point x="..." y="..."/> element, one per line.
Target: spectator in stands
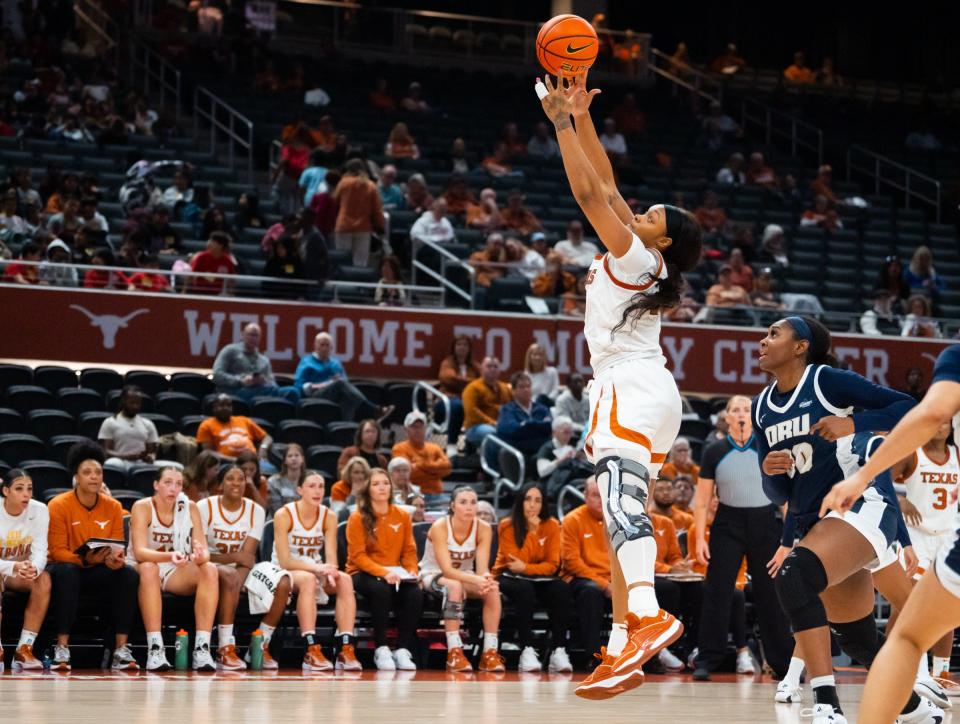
<point x="312" y="178"/>
<point x="366" y="444"/>
<point x="798" y="72"/>
<point x="572" y="403"/>
<point x="75" y="517"/>
<point x="248" y="211"/>
<point x="380" y="98"/>
<point x="919" y="322"/>
<point x="128" y="437"/>
<point x="391" y="195"/>
<point x="389" y="291"/>
<point x="732" y="172"/>
<point x="880" y="318"/>
<point x="511" y="137"/>
<point x="764" y="293"/>
<point x="26" y="194"/>
<point x="399" y="470"/>
<point x="400" y="144"/>
<point x="628" y="118"/>
<point x="325" y="206"/>
<point x="354" y="477"/>
<point x="821" y="215"/>
<point x="575" y="302"/>
<point x="920" y="275"/>
<point x="522" y="422"/>
<point x="528" y="568"/>
<point x="214" y="219"/>
<point x="54" y="271"/>
<point x="518" y="217"/>
<point x="923" y="138"/>
<point x="20" y="273"/>
<point x="726" y="294"/>
<point x="543" y="376"/>
<point x="890" y="278"/>
<point x="486" y="512"/>
<point x="13" y="228"/>
<point x="680" y="461"/>
<point x="68" y="187"/>
<point x="256" y="482"/>
<point x="772" y="249"/>
<point x="64" y="223"/>
<point x="382" y="558"/>
<point x="286" y="226"/>
<point x="559" y="462"/>
<point x="488" y="262"/>
<point x="216" y="259"/>
<point x="294" y="157"/>
<point x="683" y="487"/>
<point x="90" y="217"/>
<point x="157" y="235"/>
<point x="485" y="214"/>
<point x="827" y="76"/>
<point x="614" y="143"/>
<point x="285" y="265"/>
<point x="482" y="400"/>
<point x="741" y="273"/>
<point x="413" y="101"/>
<point x="180" y="191"/>
<point x="915" y="384"/>
<point x="433" y="226"/>
<point x="458" y="157"/>
<point x="241" y="369"/>
<point x="662" y="503"/>
<point x="680" y="599"/>
<point x="457" y="195"/>
<point x="680" y="60"/>
<point x="728" y="62"/>
<point x="720" y="130"/>
<point x="759" y="173"/>
<point x="149" y="278"/>
<point x="282" y="486"/>
<point x="711" y="217"/>
<point x="498" y="165"/>
<point x="586" y="565"/>
<point x="360" y="213"/>
<point x="322" y="375"/>
<point x="457" y="370"/>
<point x="101" y="279"/>
<point x="541" y="144"/>
<point x="417" y="197"/>
<point x="822" y="185"/>
<point x="429" y="463"/>
<point x="553" y="281"/>
<point x="227" y="435"/>
<point x="574" y="250"/>
<point x="313" y="252"/>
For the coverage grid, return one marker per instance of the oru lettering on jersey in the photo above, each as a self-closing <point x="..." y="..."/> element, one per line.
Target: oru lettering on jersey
<point x="787" y="429"/>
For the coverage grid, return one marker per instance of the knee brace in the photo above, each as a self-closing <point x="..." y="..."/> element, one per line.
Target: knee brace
<point x="799" y="583"/>
<point x="859" y="640"/>
<point x="631" y="479"/>
<point x="452" y="610"/>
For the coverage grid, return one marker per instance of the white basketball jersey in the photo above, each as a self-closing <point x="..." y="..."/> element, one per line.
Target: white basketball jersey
<point x="611" y="285"/>
<point x="932" y="488"/>
<point x="227" y="531"/>
<point x="159" y="534"/>
<point x="306" y="544"/>
<point x="463" y="554"/>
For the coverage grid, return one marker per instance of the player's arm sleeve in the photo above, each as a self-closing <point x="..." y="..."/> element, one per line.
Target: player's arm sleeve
<point x="880" y="407"/>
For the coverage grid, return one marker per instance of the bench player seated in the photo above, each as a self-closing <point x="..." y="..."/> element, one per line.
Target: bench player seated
<point x="234" y="529"/>
<point x="170" y="553"/>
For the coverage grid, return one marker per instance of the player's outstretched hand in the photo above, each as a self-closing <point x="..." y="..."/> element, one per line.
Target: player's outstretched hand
<point x="555" y="103"/>
<point x="843" y="495"/>
<point x="578" y="95"/>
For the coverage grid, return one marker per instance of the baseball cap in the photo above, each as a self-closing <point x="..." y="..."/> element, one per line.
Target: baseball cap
<point x="415" y="416"/>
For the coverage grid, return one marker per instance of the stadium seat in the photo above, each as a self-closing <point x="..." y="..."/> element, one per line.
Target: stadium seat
<point x="265" y="549"/>
<point x="240" y="407"/>
<point x="10" y="421"/>
<point x="58" y="445"/>
<point x="126" y="498"/>
<point x="274" y="409"/>
<point x="373" y="391"/>
<point x="696" y="428"/>
<point x="164" y="424"/>
<point x="341" y="433"/>
<point x="421" y="531"/>
<point x="141" y="478"/>
<point x="52" y="493"/>
<point x="24" y="398"/>
<point x="13" y="375"/>
<point x="323" y="458"/>
<point x="321" y="412"/>
<point x="192" y="383"/>
<point x="112" y="401"/>
<point x="400" y="395"/>
<point x="76" y="400"/>
<point x="54" y="378"/>
<point x="47" y="424"/>
<point x="507" y="295"/>
<point x="89" y="423"/>
<point x="46" y="474"/>
<point x="303" y="432"/>
<point x="190" y="424"/>
<point x="176" y="405"/>
<point x="150" y="382"/>
<point x="342" y="545"/>
<point x="101" y="380"/>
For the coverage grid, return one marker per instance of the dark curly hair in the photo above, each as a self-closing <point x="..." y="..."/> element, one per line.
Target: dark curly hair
<point x="81" y="452"/>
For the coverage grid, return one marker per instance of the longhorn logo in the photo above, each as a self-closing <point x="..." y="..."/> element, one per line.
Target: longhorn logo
<point x="109" y="324"/>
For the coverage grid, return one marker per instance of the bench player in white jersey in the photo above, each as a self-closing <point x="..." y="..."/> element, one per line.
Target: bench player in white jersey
<point x="635" y="404"/>
<point x="23" y="556"/>
<point x="234" y="529"/>
<point x="169" y="550"/>
<point x="456" y="564"/>
<point x="305" y="545"/>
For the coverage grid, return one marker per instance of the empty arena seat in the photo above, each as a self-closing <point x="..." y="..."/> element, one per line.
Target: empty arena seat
<point x="15" y="448"/>
<point x="141" y="478"/>
<point x="89" y="423"/>
<point x="176" y="405"/>
<point x="59" y="445"/>
<point x="24" y="398"/>
<point x="507" y="295"/>
<point x="341" y="433"/>
<point x="319" y="411"/>
<point x="696" y="428"/>
<point x="324" y="458"/>
<point x="46" y="474"/>
<point x="303" y="432"/>
<point x="13" y="375"/>
<point x="192" y="383"/>
<point x="274" y="409"/>
<point x="47" y="424"/>
<point x="164" y="424"/>
<point x="190" y="424"/>
<point x="126" y="498"/>
<point x="77" y="400"/>
<point x="112" y="401"/>
<point x="265" y="549"/>
<point x="421" y="531"/>
<point x="54" y="378"/>
<point x="10" y="421"/>
<point x="101" y="380"/>
<point x="150" y="382"/>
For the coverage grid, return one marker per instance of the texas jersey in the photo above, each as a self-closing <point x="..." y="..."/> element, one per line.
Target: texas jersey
<point x="226" y="530"/>
<point x="159" y="534"/>
<point x="306" y="544"/>
<point x="463" y="554"/>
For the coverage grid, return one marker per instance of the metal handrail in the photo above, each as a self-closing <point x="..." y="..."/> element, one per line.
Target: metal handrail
<point x="767" y="118"/>
<point x="701" y="79"/>
<point x="436" y="392"/>
<point x="98" y="21"/>
<point x="446" y="257"/>
<point x="910" y="176"/>
<point x="210" y="107"/>
<point x="568" y="490"/>
<point x="157" y="71"/>
<point x="499" y="481"/>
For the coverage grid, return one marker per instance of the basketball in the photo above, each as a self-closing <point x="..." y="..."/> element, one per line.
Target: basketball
<point x="567" y="44"/>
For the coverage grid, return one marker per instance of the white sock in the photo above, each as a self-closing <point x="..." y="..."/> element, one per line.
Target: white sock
<point x="823" y="681"/>
<point x="490" y="641"/>
<point x="225" y="634"/>
<point x="923" y="669"/>
<point x="154" y="640"/>
<point x="453" y="640"/>
<point x="618" y="639"/>
<point x="641" y="600"/>
<point x="27" y="638"/>
<point x="267" y="632"/>
<point x="794" y="672"/>
<point x="941" y="665"/>
<point x="203" y="639"/>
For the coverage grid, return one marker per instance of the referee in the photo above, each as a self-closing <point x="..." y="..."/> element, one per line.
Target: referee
<point x="746" y="524"/>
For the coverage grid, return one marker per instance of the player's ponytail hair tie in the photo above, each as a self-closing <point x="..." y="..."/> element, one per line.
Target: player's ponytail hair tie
<point x="800" y="328"/>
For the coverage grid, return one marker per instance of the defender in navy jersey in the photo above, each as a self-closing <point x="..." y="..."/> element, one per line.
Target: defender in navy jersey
<point x="933" y="608"/>
<point x="807" y="423"/>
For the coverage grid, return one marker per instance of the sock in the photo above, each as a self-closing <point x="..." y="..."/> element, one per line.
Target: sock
<point x="309" y="638"/>
<point x="490" y="641"/>
<point x="923" y="669"/>
<point x="794" y="672"/>
<point x="343" y="638"/>
<point x="642" y="600"/>
<point x="154" y="640"/>
<point x="941" y="665"/>
<point x="27" y="638"/>
<point x="225" y="634"/>
<point x="618" y="639"/>
<point x="453" y="640"/>
<point x="203" y="639"/>
<point x="825" y="691"/>
<point x="267" y="631"/>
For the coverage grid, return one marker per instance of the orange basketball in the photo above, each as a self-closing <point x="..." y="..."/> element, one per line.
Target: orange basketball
<point x="567" y="44"/>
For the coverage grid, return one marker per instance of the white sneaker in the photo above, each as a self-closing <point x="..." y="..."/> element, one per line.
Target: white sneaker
<point x="529" y="661"/>
<point x="788" y="694"/>
<point x="123" y="660"/>
<point x="926" y="713"/>
<point x="559" y="662"/>
<point x="202" y="660"/>
<point x="745" y="662"/>
<point x="692" y="658"/>
<point x="928" y="688"/>
<point x="157" y="659"/>
<point x="404" y="660"/>
<point x="61" y="659"/>
<point x="823" y="714"/>
<point x="669" y="661"/>
<point x="384" y="659"/>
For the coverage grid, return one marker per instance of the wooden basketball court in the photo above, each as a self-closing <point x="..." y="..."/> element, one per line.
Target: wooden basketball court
<point x="254" y="698"/>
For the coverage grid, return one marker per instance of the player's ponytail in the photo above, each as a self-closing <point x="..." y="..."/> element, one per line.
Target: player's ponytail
<point x="682" y="255"/>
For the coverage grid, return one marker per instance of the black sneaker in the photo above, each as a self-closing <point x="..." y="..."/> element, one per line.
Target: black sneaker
<point x="701" y="674"/>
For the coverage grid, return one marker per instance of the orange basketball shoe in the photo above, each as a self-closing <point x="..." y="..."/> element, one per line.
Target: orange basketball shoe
<point x="457" y="661"/>
<point x="269" y="663"/>
<point x="347" y="659"/>
<point x="645" y="638"/>
<point x="24" y="659"/>
<point x="314" y="660"/>
<point x="491" y="662"/>
<point x="602" y="683"/>
<point x="227" y="659"/>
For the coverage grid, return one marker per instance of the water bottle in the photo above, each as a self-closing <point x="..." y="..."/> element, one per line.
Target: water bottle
<point x="181" y="649"/>
<point x="256" y="650"/>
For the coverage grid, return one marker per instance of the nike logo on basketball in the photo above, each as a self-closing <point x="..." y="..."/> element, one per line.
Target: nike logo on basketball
<point x="395" y="526"/>
<point x="102" y="523"/>
<point x="571" y="49"/>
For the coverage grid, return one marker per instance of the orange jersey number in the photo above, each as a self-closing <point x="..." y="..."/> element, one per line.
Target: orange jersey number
<point x="942" y="498"/>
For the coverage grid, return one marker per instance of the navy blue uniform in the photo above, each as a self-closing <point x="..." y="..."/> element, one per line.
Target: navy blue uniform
<point x="783" y="422"/>
<point x="947" y="369"/>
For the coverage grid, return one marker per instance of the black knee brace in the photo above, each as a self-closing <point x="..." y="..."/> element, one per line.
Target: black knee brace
<point x="859" y="640"/>
<point x="629" y="478"/>
<point x="799" y="583"/>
